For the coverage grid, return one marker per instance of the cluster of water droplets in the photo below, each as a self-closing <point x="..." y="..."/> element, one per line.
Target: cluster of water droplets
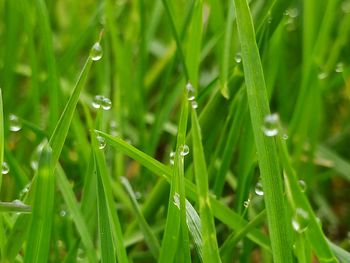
<point x="183" y="151"/>
<point x="300" y="220"/>
<point x="271" y="123"/>
<point x="96" y="52"/>
<point x="102" y="102"/>
<point x="191" y="95"/>
<point x="15" y="123"/>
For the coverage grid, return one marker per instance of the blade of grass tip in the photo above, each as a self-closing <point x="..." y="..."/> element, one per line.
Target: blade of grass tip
<point x="150" y="238"/>
<point x="220" y="211"/>
<point x="210" y="244"/>
<point x="60" y="132"/>
<point x="102" y="173"/>
<point x="299" y="201"/>
<point x="280" y="231"/>
<point x="106" y="241"/>
<point x="177" y="221"/>
<point x="38" y="242"/>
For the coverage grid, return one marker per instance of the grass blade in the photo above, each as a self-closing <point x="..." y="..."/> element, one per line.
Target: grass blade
<point x="266" y="149"/>
<point x="38" y="243"/>
<point x="16" y="207"/>
<point x="210" y="245"/>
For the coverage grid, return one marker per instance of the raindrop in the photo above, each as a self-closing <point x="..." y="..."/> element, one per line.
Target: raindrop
<point x="285" y="136"/>
<point x="302" y="185"/>
<point x="5" y="168"/>
<point x="300" y="220"/>
<point x="190" y="91"/>
<point x="322" y="75"/>
<point x="176" y="200"/>
<point x="246" y="203"/>
<point x="106" y="103"/>
<point x="97" y="101"/>
<point x="63" y="213"/>
<point x="24" y="191"/>
<point x="113" y="126"/>
<point x="18" y="202"/>
<point x="102" y="142"/>
<point x="270" y="127"/>
<point x="34" y="159"/>
<point x="171" y="158"/>
<point x="238" y="57"/>
<point x="259" y="189"/>
<point x="96" y="51"/>
<point x="15" y="123"/>
<point x="292" y="12"/>
<point x="194" y="104"/>
<point x="339" y="68"/>
<point x="184" y="150"/>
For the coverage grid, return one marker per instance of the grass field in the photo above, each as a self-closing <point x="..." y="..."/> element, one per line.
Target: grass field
<point x="175" y="131"/>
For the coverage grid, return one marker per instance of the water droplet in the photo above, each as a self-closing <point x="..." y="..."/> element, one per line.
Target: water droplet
<point x="96" y="51"/>
<point x="102" y="142"/>
<point x="190" y="91"/>
<point x="339" y="68"/>
<point x="172" y="158"/>
<point x="259" y="189"/>
<point x="18" y="202"/>
<point x="300" y="220"/>
<point x="24" y="191"/>
<point x="138" y="195"/>
<point x="113" y="127"/>
<point x="5" y="168"/>
<point x="184" y="150"/>
<point x="194" y="104"/>
<point x="270" y="127"/>
<point x="176" y="200"/>
<point x="238" y="57"/>
<point x="97" y="101"/>
<point x="246" y="203"/>
<point x="292" y="12"/>
<point x="63" y="213"/>
<point x="15" y="123"/>
<point x="285" y="136"/>
<point x="106" y="103"/>
<point x="322" y="75"/>
<point x="302" y="185"/>
<point x="34" y="159"/>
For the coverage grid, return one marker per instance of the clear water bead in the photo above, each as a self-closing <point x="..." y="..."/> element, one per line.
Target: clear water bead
<point x="5" y="168"/>
<point x="246" y="203"/>
<point x="63" y="213"/>
<point x="270" y="127"/>
<point x="176" y="200"/>
<point x="96" y="52"/>
<point x="34" y="159"/>
<point x="322" y="75"/>
<point x="300" y="220"/>
<point x="171" y="158"/>
<point x="190" y="91"/>
<point x="339" y="68"/>
<point x="15" y="123"/>
<point x="238" y="57"/>
<point x="97" y="101"/>
<point x="194" y="104"/>
<point x="102" y="142"/>
<point x="106" y="103"/>
<point x="259" y="189"/>
<point x="184" y="150"/>
<point x="302" y="185"/>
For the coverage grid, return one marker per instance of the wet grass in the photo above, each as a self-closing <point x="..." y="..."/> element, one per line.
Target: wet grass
<point x="188" y="164"/>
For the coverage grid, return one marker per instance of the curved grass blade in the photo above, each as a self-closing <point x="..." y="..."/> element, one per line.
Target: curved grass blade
<point x="38" y="242"/>
<point x="150" y="238"/>
<point x="279" y="230"/>
<point x="210" y="244"/>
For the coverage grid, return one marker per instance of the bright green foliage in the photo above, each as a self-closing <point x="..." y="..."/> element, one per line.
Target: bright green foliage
<point x="174" y="131"/>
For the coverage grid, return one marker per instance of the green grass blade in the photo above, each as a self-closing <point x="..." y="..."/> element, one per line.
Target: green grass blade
<point x="266" y="149"/>
<point x="74" y="210"/>
<point x="38" y="242"/>
<point x="210" y="244"/>
<point x="106" y="240"/>
<point x="16" y="207"/>
<point x="150" y="238"/>
<point x="2" y="139"/>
